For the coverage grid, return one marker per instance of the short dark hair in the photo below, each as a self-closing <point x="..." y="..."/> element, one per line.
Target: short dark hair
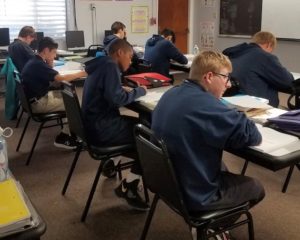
<point x="47" y="42"/>
<point x="27" y="31"/>
<point x="119" y="44"/>
<point x="116" y="26"/>
<point x="168" y="32"/>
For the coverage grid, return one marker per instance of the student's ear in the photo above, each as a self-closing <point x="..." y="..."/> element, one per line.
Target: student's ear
<point x="169" y="38"/>
<point x="208" y="78"/>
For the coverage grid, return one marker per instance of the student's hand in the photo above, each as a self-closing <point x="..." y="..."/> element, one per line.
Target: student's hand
<point x="83" y="74"/>
<point x="127" y="89"/>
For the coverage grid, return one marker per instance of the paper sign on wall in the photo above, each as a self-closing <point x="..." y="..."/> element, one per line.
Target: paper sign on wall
<point x="139" y="19"/>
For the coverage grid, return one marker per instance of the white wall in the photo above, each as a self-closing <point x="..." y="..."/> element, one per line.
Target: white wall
<point x="108" y="12"/>
<point x="288" y="52"/>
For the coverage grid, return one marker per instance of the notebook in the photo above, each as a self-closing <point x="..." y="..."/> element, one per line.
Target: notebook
<point x="14" y="212"/>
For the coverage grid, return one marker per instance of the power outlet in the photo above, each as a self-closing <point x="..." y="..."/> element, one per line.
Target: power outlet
<point x="93" y="6"/>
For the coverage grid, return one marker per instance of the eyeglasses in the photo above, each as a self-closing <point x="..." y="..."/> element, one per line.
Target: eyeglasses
<point x="226" y="77"/>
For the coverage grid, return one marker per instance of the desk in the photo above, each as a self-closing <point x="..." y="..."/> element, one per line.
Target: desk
<point x="183" y="67"/>
<point x="273" y="163"/>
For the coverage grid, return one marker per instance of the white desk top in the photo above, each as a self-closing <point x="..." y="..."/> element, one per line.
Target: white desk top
<point x="152" y="97"/>
<point x="296" y="75"/>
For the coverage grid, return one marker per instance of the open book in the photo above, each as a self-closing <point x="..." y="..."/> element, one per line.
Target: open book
<point x="276" y="143"/>
<point x="248" y="104"/>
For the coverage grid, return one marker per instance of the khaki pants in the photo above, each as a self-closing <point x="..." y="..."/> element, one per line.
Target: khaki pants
<point x="51" y="102"/>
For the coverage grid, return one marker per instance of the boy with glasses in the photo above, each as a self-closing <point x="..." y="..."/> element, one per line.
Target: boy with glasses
<point x="196" y="126"/>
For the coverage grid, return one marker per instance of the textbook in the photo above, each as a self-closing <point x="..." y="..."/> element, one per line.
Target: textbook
<point x="149" y="79"/>
<point x="14" y="213"/>
<point x="250" y="105"/>
<point x="276" y="143"/>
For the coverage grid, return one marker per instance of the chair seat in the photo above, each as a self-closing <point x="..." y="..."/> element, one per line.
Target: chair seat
<point x="41" y="117"/>
<point x="100" y="152"/>
<point x="208" y="215"/>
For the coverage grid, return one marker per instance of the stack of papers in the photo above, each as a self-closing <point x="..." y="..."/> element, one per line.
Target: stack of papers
<point x="276" y="143"/>
<point x="250" y="105"/>
<point x="14" y="213"/>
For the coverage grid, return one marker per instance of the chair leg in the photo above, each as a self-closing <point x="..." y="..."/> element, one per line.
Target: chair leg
<point x="201" y="234"/>
<point x="91" y="195"/>
<point x="71" y="170"/>
<point x="287" y="180"/>
<point x="145" y="191"/>
<point x="244" y="167"/>
<point x="250" y="226"/>
<point x="149" y="217"/>
<point x="19" y="118"/>
<point x="34" y="143"/>
<point x="23" y="133"/>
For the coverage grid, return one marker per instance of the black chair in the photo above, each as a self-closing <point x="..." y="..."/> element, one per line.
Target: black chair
<point x="93" y="49"/>
<point x="102" y="154"/>
<point x="143" y="66"/>
<point x="161" y="179"/>
<point x="42" y="118"/>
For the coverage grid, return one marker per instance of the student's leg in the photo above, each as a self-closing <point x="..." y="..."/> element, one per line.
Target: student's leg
<point x="237" y="189"/>
<point x="53" y="102"/>
<point x="128" y="189"/>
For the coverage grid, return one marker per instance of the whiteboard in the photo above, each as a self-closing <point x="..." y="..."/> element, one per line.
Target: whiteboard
<point x="282" y="18"/>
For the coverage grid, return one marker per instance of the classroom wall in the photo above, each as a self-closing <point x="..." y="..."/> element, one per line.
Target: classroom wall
<point x="287" y="51"/>
<point x="108" y="12"/>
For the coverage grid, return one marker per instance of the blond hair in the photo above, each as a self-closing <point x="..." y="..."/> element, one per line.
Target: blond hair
<point x="208" y="61"/>
<point x="264" y="38"/>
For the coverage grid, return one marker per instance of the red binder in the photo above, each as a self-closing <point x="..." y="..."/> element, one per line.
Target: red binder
<point x="149" y="79"/>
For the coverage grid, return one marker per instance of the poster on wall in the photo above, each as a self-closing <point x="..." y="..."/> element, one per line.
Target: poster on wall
<point x="207" y="34"/>
<point x="139" y="19"/>
<point x="208" y="3"/>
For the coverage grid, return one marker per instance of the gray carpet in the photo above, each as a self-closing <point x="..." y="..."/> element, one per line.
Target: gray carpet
<point x="275" y="218"/>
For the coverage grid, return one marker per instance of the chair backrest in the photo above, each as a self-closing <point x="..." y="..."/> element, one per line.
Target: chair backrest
<point x="21" y="94"/>
<point x="144" y="66"/>
<point x="73" y="111"/>
<point x="157" y="169"/>
<point x="93" y="49"/>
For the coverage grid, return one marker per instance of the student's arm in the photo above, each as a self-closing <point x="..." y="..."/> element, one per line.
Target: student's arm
<point x="70" y="77"/>
<point x="275" y="74"/>
<point x="175" y="54"/>
<point x="113" y="91"/>
<point x="232" y="129"/>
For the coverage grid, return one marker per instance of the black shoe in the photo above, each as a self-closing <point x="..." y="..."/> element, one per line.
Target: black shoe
<point x="128" y="191"/>
<point x="65" y="141"/>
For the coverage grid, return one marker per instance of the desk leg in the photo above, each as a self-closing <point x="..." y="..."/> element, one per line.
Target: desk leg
<point x="287" y="180"/>
<point x="244" y="167"/>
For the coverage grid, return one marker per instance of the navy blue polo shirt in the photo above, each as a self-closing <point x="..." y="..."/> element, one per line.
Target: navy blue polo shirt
<point x="37" y="75"/>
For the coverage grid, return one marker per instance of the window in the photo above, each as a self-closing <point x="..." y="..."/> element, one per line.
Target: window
<point x="48" y="16"/>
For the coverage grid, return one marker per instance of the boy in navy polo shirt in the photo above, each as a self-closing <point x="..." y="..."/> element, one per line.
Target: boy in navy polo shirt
<point x="37" y="75"/>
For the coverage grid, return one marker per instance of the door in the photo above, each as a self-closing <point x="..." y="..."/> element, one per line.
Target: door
<point x="173" y="14"/>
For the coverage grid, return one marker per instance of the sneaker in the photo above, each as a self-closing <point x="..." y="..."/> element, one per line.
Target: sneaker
<point x="221" y="236"/>
<point x="65" y="141"/>
<point x="129" y="191"/>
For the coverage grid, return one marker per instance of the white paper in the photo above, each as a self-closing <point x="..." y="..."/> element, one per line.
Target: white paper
<point x="246" y="102"/>
<point x="274" y="142"/>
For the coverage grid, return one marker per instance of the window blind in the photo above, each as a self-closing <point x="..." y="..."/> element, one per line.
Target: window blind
<point x="48" y="16"/>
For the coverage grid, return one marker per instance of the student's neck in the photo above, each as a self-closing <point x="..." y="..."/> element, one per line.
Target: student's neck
<point x="42" y="55"/>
